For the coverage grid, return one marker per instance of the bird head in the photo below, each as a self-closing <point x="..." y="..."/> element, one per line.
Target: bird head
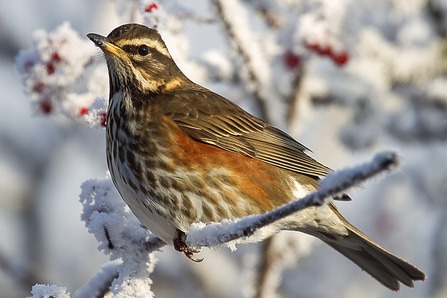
<point x="137" y="57"/>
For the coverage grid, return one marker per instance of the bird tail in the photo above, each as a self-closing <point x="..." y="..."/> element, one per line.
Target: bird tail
<point x="385" y="267"/>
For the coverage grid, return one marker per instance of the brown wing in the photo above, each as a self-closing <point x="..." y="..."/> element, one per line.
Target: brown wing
<point x="208" y="117"/>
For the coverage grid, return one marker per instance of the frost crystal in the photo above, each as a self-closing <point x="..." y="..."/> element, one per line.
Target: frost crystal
<point x="47" y="291"/>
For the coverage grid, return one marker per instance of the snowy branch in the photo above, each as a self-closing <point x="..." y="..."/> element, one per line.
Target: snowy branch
<point x="122" y="237"/>
<point x="238" y="31"/>
<point x="335" y="183"/>
<point x="45" y="291"/>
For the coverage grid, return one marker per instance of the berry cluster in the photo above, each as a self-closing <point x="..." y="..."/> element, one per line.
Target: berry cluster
<point x="340" y="58"/>
<point x="51" y="69"/>
<point x="45" y="105"/>
<point x="293" y="61"/>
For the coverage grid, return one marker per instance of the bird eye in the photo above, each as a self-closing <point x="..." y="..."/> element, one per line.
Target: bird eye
<point x="143" y="50"/>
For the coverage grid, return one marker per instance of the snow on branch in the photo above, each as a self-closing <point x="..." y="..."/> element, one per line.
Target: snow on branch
<point x="336" y="182"/>
<point x="47" y="291"/>
<point x="121" y="236"/>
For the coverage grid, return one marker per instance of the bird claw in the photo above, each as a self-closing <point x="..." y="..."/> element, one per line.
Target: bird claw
<point x="181" y="246"/>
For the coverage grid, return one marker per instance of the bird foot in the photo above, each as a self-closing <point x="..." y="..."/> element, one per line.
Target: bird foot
<point x="181" y="246"/>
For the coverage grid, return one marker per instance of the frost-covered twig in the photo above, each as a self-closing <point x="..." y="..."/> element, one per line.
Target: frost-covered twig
<point x="335" y="183"/>
<point x="45" y="291"/>
<point x="254" y="65"/>
<point x="122" y="237"/>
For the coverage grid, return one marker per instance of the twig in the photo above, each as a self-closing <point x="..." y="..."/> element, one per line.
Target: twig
<point x="438" y="17"/>
<point x="237" y="41"/>
<point x="133" y="11"/>
<point x="266" y="269"/>
<point x="192" y="17"/>
<point x="271" y="17"/>
<point x="292" y="100"/>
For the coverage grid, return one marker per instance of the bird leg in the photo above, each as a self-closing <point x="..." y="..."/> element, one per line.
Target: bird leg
<point x="181" y="246"/>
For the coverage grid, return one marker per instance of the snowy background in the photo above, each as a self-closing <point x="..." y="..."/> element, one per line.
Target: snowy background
<point x="345" y="78"/>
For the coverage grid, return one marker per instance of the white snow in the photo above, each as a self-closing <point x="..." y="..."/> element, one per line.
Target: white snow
<point x="122" y="237"/>
<point x="47" y="291"/>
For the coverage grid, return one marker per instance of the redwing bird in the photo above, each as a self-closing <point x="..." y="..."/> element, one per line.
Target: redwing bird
<point x="179" y="153"/>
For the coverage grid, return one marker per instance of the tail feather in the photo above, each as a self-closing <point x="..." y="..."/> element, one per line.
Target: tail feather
<point x="385" y="267"/>
<point x="369" y="265"/>
<point x="388" y="269"/>
<point x="391" y="263"/>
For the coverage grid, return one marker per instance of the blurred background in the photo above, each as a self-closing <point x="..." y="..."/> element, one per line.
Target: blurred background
<point x="345" y="78"/>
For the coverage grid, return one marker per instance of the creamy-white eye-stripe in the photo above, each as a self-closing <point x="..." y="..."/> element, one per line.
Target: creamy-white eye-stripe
<point x="155" y="44"/>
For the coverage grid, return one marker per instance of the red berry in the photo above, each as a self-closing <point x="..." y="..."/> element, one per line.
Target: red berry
<point x="292" y="60"/>
<point x="50" y="68"/>
<point x="55" y="57"/>
<point x="103" y="117"/>
<point x="83" y="111"/>
<point x="45" y="107"/>
<point x="38" y="87"/>
<point x="150" y="7"/>
<point x="341" y="58"/>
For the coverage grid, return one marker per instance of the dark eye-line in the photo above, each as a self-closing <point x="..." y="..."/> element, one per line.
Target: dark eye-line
<point x="143" y="50"/>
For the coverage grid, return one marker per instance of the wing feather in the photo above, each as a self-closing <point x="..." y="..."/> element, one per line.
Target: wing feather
<point x="227" y="126"/>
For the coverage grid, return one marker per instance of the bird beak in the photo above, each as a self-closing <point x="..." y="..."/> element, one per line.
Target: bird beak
<point x="103" y="43"/>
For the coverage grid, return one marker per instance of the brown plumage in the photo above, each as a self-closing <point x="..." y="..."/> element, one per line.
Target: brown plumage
<point x="179" y="153"/>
